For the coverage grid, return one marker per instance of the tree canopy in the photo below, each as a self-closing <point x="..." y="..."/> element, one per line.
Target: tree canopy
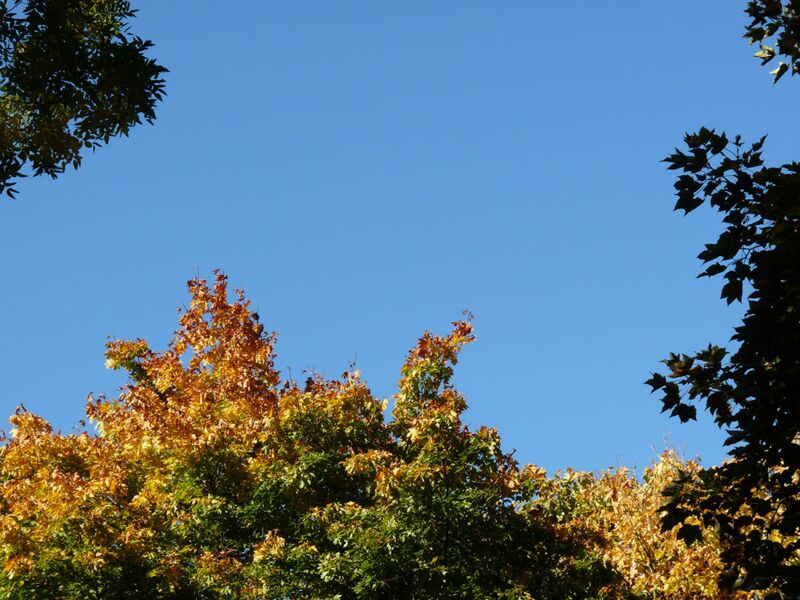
<point x="210" y="477"/>
<point x="72" y="76"/>
<point x="750" y="389"/>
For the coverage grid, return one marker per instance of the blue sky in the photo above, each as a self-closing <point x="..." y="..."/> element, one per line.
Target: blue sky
<point x="366" y="171"/>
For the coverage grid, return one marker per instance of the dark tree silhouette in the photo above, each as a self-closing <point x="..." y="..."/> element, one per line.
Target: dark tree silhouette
<point x="753" y="389"/>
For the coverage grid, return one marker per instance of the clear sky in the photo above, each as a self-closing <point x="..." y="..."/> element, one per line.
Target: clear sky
<point x="367" y="170"/>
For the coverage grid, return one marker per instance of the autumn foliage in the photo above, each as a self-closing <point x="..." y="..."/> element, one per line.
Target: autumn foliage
<point x="210" y="477"/>
<point x="622" y="511"/>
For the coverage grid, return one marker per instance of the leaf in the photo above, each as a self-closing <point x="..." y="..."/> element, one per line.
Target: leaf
<point x="779" y="72"/>
<point x="685" y="412"/>
<point x="732" y="291"/>
<point x="688" y="203"/>
<point x="657" y="381"/>
<point x="766" y="54"/>
<point x="712" y="270"/>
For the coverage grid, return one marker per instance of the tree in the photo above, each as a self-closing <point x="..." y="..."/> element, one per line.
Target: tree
<point x="209" y="478"/>
<point x="72" y="76"/>
<point x="753" y="389"/>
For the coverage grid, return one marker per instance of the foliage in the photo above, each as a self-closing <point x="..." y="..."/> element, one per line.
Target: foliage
<point x="778" y="20"/>
<point x="72" y="76"/>
<point x="209" y="478"/>
<point x="753" y="500"/>
<point x="623" y="513"/>
<point x="751" y="390"/>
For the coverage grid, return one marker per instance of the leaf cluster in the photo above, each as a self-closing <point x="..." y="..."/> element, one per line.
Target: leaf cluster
<point x="72" y="76"/>
<point x="775" y="27"/>
<point x="623" y="514"/>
